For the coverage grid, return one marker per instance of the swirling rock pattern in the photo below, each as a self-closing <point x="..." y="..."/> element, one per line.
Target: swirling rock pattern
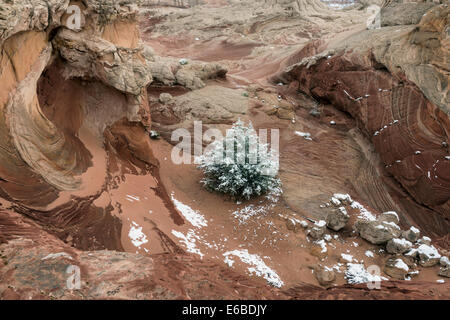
<point x="51" y="138"/>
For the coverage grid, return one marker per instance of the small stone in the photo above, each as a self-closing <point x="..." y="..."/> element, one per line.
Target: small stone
<point x="398" y="246"/>
<point x="428" y="255"/>
<point x="337" y="218"/>
<point x="445" y="272"/>
<point x="165" y="98"/>
<point x="412" y="234"/>
<point x="324" y="275"/>
<point x="291" y="224"/>
<point x="444" y="262"/>
<point x="389" y="216"/>
<point x="304" y="224"/>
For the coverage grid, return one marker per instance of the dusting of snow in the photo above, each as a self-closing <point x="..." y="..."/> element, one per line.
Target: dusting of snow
<point x="323" y="245"/>
<point x="399" y="264"/>
<point x="257" y="266"/>
<point x="305" y="135"/>
<point x="392" y="224"/>
<point x="343" y="197"/>
<point x="414" y="229"/>
<point x="249" y="211"/>
<point x="444" y="261"/>
<point x="320" y="223"/>
<point x="402" y="242"/>
<point x="136" y="235"/>
<point x="194" y="217"/>
<point x="347" y="257"/>
<point x="57" y="255"/>
<point x="429" y="251"/>
<point x="369" y="254"/>
<point x="131" y="198"/>
<point x="189" y="240"/>
<point x="411" y="252"/>
<point x="335" y="201"/>
<point x="364" y="213"/>
<point x="392" y="213"/>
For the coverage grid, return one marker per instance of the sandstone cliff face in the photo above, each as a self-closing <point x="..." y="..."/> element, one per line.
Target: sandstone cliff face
<point x="394" y="82"/>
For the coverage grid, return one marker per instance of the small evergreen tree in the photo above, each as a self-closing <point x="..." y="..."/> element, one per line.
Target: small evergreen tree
<point x="240" y="165"/>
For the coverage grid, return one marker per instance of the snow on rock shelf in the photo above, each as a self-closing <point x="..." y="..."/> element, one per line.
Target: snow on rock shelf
<point x="257" y="266"/>
<point x="138" y="238"/>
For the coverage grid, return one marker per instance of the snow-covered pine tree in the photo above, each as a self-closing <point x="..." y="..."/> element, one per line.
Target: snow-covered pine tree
<point x="240" y="165"/>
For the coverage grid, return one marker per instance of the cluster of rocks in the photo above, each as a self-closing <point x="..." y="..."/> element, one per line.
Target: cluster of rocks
<point x="380" y="230"/>
<point x="408" y="249"/>
<point x="415" y="250"/>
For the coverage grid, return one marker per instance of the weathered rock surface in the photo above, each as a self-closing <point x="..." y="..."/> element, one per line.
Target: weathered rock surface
<point x="377" y="232"/>
<point x="404" y="13"/>
<point x="445" y="272"/>
<point x="317" y="230"/>
<point x="190" y="74"/>
<point x="396" y="268"/>
<point x="325" y="276"/>
<point x="412" y="234"/>
<point x="428" y="255"/>
<point x="398" y="246"/>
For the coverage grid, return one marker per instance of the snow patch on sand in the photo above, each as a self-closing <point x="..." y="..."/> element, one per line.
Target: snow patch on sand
<point x="189" y="241"/>
<point x="369" y="254"/>
<point x="356" y="273"/>
<point x="136" y="235"/>
<point x="257" y="266"/>
<point x="347" y="257"/>
<point x="193" y="216"/>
